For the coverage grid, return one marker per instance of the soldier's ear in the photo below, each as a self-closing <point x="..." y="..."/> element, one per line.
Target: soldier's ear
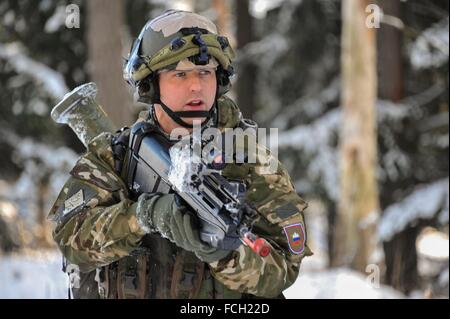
<point x="223" y="81"/>
<point x="148" y="90"/>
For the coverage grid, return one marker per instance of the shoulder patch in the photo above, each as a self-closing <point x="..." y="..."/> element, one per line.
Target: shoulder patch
<point x="77" y="198"/>
<point x="287" y="210"/>
<point x="74" y="201"/>
<point x="295" y="234"/>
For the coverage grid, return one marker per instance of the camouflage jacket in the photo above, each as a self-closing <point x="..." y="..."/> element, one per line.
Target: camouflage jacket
<point x="96" y="224"/>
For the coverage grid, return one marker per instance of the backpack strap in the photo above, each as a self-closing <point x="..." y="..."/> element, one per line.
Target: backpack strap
<point x="119" y="146"/>
<point x="187" y="276"/>
<point x="133" y="275"/>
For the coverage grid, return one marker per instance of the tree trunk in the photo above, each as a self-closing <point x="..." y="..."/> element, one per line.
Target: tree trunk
<point x="358" y="202"/>
<point x="390" y="62"/>
<point x="223" y="14"/>
<point x="223" y="20"/>
<point x="400" y="252"/>
<point x="7" y="243"/>
<point x="401" y="260"/>
<point x="43" y="226"/>
<point x="245" y="85"/>
<point x="105" y="23"/>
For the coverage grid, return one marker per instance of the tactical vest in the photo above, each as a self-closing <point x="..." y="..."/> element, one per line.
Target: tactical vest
<point x="156" y="270"/>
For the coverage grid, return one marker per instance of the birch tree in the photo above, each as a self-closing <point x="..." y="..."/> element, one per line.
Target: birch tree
<point x="358" y="201"/>
<point x="105" y="25"/>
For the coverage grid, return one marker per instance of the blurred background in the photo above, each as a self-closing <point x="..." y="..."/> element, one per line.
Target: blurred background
<point x="357" y="89"/>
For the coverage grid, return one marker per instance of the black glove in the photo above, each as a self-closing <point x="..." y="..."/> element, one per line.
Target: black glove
<point x="168" y="216"/>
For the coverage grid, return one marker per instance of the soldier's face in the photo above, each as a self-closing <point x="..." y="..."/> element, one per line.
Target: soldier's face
<point x="188" y="89"/>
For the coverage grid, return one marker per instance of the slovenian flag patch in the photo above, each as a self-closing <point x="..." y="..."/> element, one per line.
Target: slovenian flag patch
<point x="295" y="234"/>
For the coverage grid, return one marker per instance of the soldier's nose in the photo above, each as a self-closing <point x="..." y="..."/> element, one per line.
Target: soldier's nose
<point x="195" y="84"/>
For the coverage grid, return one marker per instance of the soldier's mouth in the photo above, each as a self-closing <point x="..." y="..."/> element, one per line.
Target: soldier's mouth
<point x="195" y="104"/>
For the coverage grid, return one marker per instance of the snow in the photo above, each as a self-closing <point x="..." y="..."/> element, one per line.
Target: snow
<point x="431" y="48"/>
<point x="432" y="255"/>
<point x="276" y="44"/>
<point x="316" y="140"/>
<point x="60" y="158"/>
<point x="340" y="283"/>
<point x="388" y="110"/>
<point x="396" y="163"/>
<point x="182" y="5"/>
<point x="317" y="226"/>
<point x="69" y="111"/>
<point x="370" y="220"/>
<point x="56" y="20"/>
<point x="55" y="158"/>
<point x="40" y="161"/>
<point x="313" y="106"/>
<point x="433" y="244"/>
<point x="45" y="5"/>
<point x="184" y="164"/>
<point x="424" y="203"/>
<point x="8" y="18"/>
<point x="443" y="278"/>
<point x="443" y="216"/>
<point x="417" y="101"/>
<point x="259" y="8"/>
<point x="82" y="92"/>
<point x="309" y="137"/>
<point x="52" y="81"/>
<point x="32" y="276"/>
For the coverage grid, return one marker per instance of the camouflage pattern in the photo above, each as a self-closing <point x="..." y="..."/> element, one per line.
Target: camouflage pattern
<point x="103" y="228"/>
<point x="279" y="205"/>
<point x="100" y="226"/>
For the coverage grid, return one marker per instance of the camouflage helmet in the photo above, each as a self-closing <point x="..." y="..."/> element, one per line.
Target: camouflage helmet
<point x="169" y="38"/>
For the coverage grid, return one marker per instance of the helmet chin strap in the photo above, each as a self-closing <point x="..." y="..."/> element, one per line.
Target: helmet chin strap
<point x="176" y="116"/>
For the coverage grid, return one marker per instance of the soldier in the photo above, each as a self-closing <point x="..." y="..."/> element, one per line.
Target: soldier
<point x="147" y="245"/>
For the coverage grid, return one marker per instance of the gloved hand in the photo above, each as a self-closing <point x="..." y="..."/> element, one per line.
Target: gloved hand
<point x="161" y="213"/>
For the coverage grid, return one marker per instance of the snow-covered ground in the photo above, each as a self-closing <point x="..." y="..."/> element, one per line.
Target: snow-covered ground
<point x="339" y="283"/>
<point x="32" y="276"/>
<point x="39" y="276"/>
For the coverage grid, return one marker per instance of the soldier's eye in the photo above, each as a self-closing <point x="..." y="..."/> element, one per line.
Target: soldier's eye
<point x="205" y="72"/>
<point x="180" y="74"/>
